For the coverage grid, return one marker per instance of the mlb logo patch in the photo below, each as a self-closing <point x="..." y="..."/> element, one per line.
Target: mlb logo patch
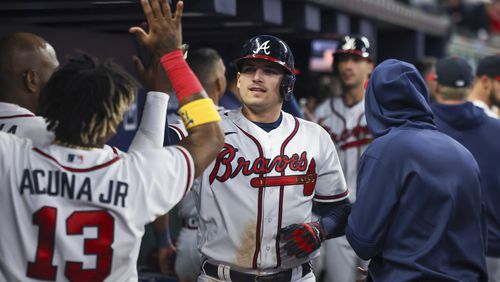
<point x="76" y="159"/>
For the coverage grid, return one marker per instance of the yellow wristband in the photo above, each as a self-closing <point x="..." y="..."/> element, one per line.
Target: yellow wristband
<point x="199" y="112"/>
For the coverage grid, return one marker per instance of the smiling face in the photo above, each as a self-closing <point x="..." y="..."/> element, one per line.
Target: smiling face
<point x="259" y="84"/>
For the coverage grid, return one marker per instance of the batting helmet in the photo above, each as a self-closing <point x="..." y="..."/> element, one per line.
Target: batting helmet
<point x="356" y="45"/>
<point x="273" y="49"/>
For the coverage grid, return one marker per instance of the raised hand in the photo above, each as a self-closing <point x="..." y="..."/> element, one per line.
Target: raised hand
<point x="153" y="77"/>
<point x="164" y="33"/>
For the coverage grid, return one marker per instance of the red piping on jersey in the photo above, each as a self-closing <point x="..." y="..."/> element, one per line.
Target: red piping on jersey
<point x="338" y="114"/>
<point x="17" y="116"/>
<point x="334" y="197"/>
<point x="178" y="130"/>
<point x="356" y="143"/>
<point x="259" y="206"/>
<point x="280" y="209"/>
<point x="188" y="185"/>
<point x="115" y="159"/>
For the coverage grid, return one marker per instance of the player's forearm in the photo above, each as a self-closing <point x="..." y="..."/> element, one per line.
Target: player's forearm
<point x="333" y="220"/>
<point x="151" y="129"/>
<point x="205" y="136"/>
<point x="204" y="142"/>
<point x="162" y="232"/>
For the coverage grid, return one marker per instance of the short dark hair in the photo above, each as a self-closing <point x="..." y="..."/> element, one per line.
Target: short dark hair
<point x="203" y="62"/>
<point x="85" y="100"/>
<point x="424" y="65"/>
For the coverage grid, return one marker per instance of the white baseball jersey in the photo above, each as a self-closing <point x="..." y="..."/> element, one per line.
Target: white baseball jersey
<point x="348" y="130"/>
<point x="23" y="123"/>
<point x="261" y="182"/>
<point x="78" y="215"/>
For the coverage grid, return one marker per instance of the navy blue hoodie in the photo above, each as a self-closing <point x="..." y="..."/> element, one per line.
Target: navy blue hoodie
<point x="470" y="126"/>
<point x="418" y="213"/>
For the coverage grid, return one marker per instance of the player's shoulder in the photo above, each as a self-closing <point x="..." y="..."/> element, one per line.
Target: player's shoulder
<point x="10" y="141"/>
<point x="324" y="105"/>
<point x="327" y="105"/>
<point x="231" y="117"/>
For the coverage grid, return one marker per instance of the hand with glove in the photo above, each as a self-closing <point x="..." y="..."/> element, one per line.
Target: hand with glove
<point x="302" y="239"/>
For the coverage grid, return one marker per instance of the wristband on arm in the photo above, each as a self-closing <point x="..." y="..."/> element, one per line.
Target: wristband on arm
<point x="186" y="84"/>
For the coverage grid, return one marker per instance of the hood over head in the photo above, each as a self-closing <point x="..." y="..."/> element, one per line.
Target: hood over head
<point x="397" y="96"/>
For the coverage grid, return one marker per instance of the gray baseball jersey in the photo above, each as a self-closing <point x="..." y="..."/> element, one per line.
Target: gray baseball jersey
<point x="261" y="182"/>
<point x="348" y="130"/>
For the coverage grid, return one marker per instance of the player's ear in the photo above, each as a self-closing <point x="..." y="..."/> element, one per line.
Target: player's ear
<point x="32" y="81"/>
<point x="238" y="80"/>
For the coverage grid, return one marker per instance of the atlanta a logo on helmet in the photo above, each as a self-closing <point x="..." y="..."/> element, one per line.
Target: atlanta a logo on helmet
<point x="264" y="46"/>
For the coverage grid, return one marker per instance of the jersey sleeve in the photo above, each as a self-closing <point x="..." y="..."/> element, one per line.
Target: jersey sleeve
<point x="176" y="131"/>
<point x="330" y="185"/>
<point x="6" y="152"/>
<point x="151" y="129"/>
<point x="167" y="178"/>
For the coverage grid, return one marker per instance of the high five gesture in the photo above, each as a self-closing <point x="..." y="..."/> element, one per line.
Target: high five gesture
<point x="164" y="33"/>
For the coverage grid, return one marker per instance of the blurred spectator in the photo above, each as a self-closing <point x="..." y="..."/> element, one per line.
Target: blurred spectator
<point x="343" y="117"/>
<point x="230" y="100"/>
<point x="486" y="89"/>
<point x="426" y="66"/>
<point x="470" y="126"/>
<point x="471" y="18"/>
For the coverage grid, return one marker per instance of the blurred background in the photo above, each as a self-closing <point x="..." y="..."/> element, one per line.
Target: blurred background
<point x="411" y="30"/>
<point x="418" y="31"/>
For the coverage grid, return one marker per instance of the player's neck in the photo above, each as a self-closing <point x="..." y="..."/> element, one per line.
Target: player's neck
<point x="477" y="94"/>
<point x="80" y="146"/>
<point x="351" y="96"/>
<point x="264" y="116"/>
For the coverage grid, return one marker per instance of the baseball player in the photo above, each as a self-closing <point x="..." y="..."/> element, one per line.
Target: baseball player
<point x="26" y="63"/>
<point x="255" y="200"/>
<point x="75" y="209"/>
<point x="471" y="126"/>
<point x="344" y="119"/>
<point x="485" y="91"/>
<point x="208" y="66"/>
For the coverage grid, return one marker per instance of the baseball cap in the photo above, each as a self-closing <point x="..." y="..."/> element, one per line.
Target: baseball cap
<point x="454" y="72"/>
<point x="489" y="66"/>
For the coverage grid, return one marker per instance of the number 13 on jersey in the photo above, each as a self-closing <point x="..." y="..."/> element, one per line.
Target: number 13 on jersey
<point x="46" y="218"/>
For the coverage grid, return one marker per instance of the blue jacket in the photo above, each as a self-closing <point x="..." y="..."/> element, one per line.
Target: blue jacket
<point x="470" y="126"/>
<point x="418" y="213"/>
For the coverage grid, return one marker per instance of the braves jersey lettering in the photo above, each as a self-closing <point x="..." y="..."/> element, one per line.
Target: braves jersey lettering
<point x="257" y="166"/>
<point x="344" y="140"/>
<point x="8" y="128"/>
<point x="62" y="184"/>
<point x="23" y="123"/>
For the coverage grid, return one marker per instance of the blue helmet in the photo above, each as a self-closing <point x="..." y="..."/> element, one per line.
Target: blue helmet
<point x="273" y="49"/>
